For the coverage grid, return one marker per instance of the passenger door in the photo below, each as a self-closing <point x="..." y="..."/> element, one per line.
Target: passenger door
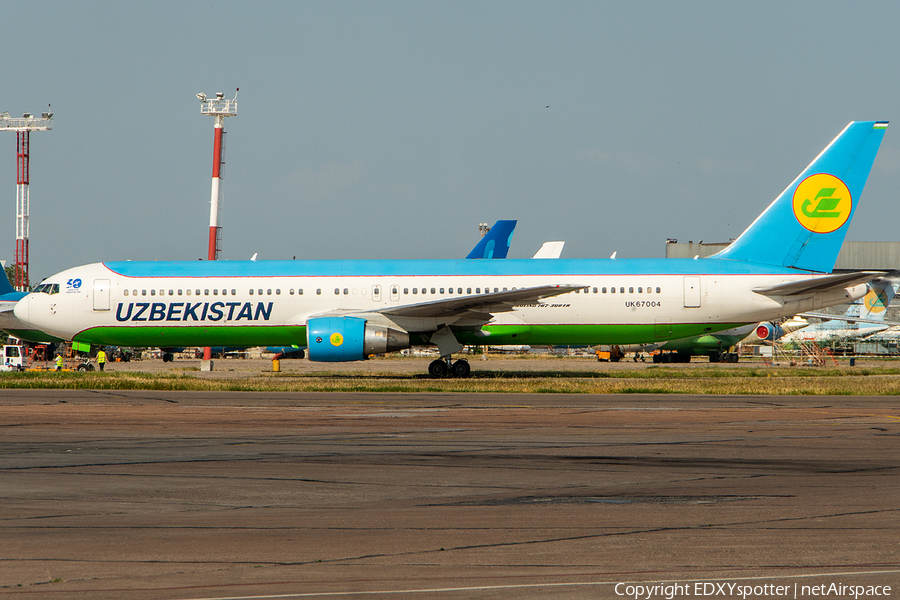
<point x="101" y="294"/>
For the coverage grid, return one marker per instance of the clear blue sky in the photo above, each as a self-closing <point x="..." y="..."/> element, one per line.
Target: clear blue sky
<point x="391" y="129"/>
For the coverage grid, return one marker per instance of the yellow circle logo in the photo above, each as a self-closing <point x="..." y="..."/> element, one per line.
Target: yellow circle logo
<point x="822" y="203"/>
<point x="336" y="339"/>
<point x="876" y="302"/>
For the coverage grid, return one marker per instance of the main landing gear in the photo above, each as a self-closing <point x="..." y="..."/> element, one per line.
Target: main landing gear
<point x="444" y="367"/>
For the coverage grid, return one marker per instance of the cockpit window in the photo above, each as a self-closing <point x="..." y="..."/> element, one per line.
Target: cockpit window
<point x="47" y="288"/>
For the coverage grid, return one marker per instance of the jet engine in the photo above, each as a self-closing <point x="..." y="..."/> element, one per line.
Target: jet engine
<point x="768" y="331"/>
<point x="341" y="339"/>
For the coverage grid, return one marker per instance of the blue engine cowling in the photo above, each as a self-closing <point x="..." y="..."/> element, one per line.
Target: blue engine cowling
<point x="341" y="339"/>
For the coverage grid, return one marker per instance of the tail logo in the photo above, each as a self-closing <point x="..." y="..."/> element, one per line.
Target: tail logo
<point x="822" y="203"/>
<point x="875" y="301"/>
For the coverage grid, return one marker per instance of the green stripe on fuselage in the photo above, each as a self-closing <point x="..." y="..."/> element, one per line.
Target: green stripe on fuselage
<point x="288" y="335"/>
<point x="156" y="337"/>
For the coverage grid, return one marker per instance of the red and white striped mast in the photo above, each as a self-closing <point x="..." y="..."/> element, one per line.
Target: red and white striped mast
<point x="23" y="127"/>
<point x="218" y="107"/>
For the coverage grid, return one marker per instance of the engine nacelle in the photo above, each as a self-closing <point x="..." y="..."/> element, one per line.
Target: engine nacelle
<point x="342" y="339"/>
<point x="768" y="332"/>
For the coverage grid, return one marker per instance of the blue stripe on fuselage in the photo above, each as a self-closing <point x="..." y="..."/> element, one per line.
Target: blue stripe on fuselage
<point x="438" y="268"/>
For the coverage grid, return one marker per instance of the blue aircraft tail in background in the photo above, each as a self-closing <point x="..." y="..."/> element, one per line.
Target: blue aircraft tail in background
<point x="805" y="226"/>
<point x="496" y="243"/>
<point x="5" y="286"/>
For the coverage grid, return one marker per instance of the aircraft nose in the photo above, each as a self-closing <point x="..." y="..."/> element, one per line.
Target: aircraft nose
<point x="21" y="308"/>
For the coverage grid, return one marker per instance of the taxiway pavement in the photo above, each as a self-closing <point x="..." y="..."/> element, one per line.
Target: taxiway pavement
<point x="171" y="495"/>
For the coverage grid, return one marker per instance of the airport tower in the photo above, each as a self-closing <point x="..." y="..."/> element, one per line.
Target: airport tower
<point x="23" y="126"/>
<point x="218" y="107"/>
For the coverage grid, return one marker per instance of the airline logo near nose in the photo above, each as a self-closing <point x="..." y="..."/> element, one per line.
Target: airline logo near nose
<point x="822" y="203"/>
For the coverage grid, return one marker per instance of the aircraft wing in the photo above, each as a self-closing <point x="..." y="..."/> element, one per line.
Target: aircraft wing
<point x="832" y="317"/>
<point x="820" y="284"/>
<point x="482" y="304"/>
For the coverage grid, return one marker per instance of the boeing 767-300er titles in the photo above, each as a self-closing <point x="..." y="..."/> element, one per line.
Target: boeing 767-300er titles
<point x="346" y="310"/>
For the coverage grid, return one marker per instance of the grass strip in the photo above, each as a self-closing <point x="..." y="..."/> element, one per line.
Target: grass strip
<point x="751" y="380"/>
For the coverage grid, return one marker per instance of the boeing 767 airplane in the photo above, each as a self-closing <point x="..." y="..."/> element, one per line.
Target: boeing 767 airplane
<point x="346" y="310"/>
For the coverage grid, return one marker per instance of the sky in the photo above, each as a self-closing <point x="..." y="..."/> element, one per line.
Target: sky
<point x="391" y="129"/>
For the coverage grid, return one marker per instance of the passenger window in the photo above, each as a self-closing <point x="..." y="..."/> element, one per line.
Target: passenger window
<point x="125" y="292"/>
<point x="346" y="291"/>
<point x="405" y="291"/>
<point x="657" y="290"/>
<point x="621" y="290"/>
<point x="631" y="290"/>
<point x="300" y="292"/>
<point x="468" y="290"/>
<point x="206" y="292"/>
<point x="291" y="291"/>
<point x="215" y="292"/>
<point x="152" y="292"/>
<point x="612" y="290"/>
<point x="459" y="290"/>
<point x="595" y="290"/>
<point x="143" y="292"/>
<point x="319" y="292"/>
<point x="198" y="292"/>
<point x="603" y="290"/>
<point x="188" y="292"/>
<point x="337" y="291"/>
<point x="442" y="290"/>
<point x="477" y="290"/>
<point x="415" y="290"/>
<point x="251" y="292"/>
<point x="640" y="290"/>
<point x="234" y="292"/>
<point x="432" y="290"/>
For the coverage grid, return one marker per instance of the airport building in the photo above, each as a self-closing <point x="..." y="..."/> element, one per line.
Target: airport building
<point x="854" y="256"/>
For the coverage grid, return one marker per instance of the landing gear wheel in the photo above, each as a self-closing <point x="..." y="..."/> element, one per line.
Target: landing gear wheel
<point x="168" y="357"/>
<point x="82" y="367"/>
<point x="461" y="368"/>
<point x="437" y="368"/>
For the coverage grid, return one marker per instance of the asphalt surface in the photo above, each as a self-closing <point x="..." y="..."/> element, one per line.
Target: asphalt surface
<point x="177" y="495"/>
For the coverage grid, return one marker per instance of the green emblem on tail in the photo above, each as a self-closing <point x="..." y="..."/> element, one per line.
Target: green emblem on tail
<point x="824" y="209"/>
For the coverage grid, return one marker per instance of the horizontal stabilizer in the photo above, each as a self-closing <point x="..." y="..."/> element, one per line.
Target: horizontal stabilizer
<point x="819" y="284"/>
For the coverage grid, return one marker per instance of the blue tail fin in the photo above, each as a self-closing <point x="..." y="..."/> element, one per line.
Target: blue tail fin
<point x="805" y="226"/>
<point x="496" y="243"/>
<point x="5" y="286"/>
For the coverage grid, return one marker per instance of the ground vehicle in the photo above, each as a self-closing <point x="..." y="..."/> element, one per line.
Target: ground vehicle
<point x="14" y="358"/>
